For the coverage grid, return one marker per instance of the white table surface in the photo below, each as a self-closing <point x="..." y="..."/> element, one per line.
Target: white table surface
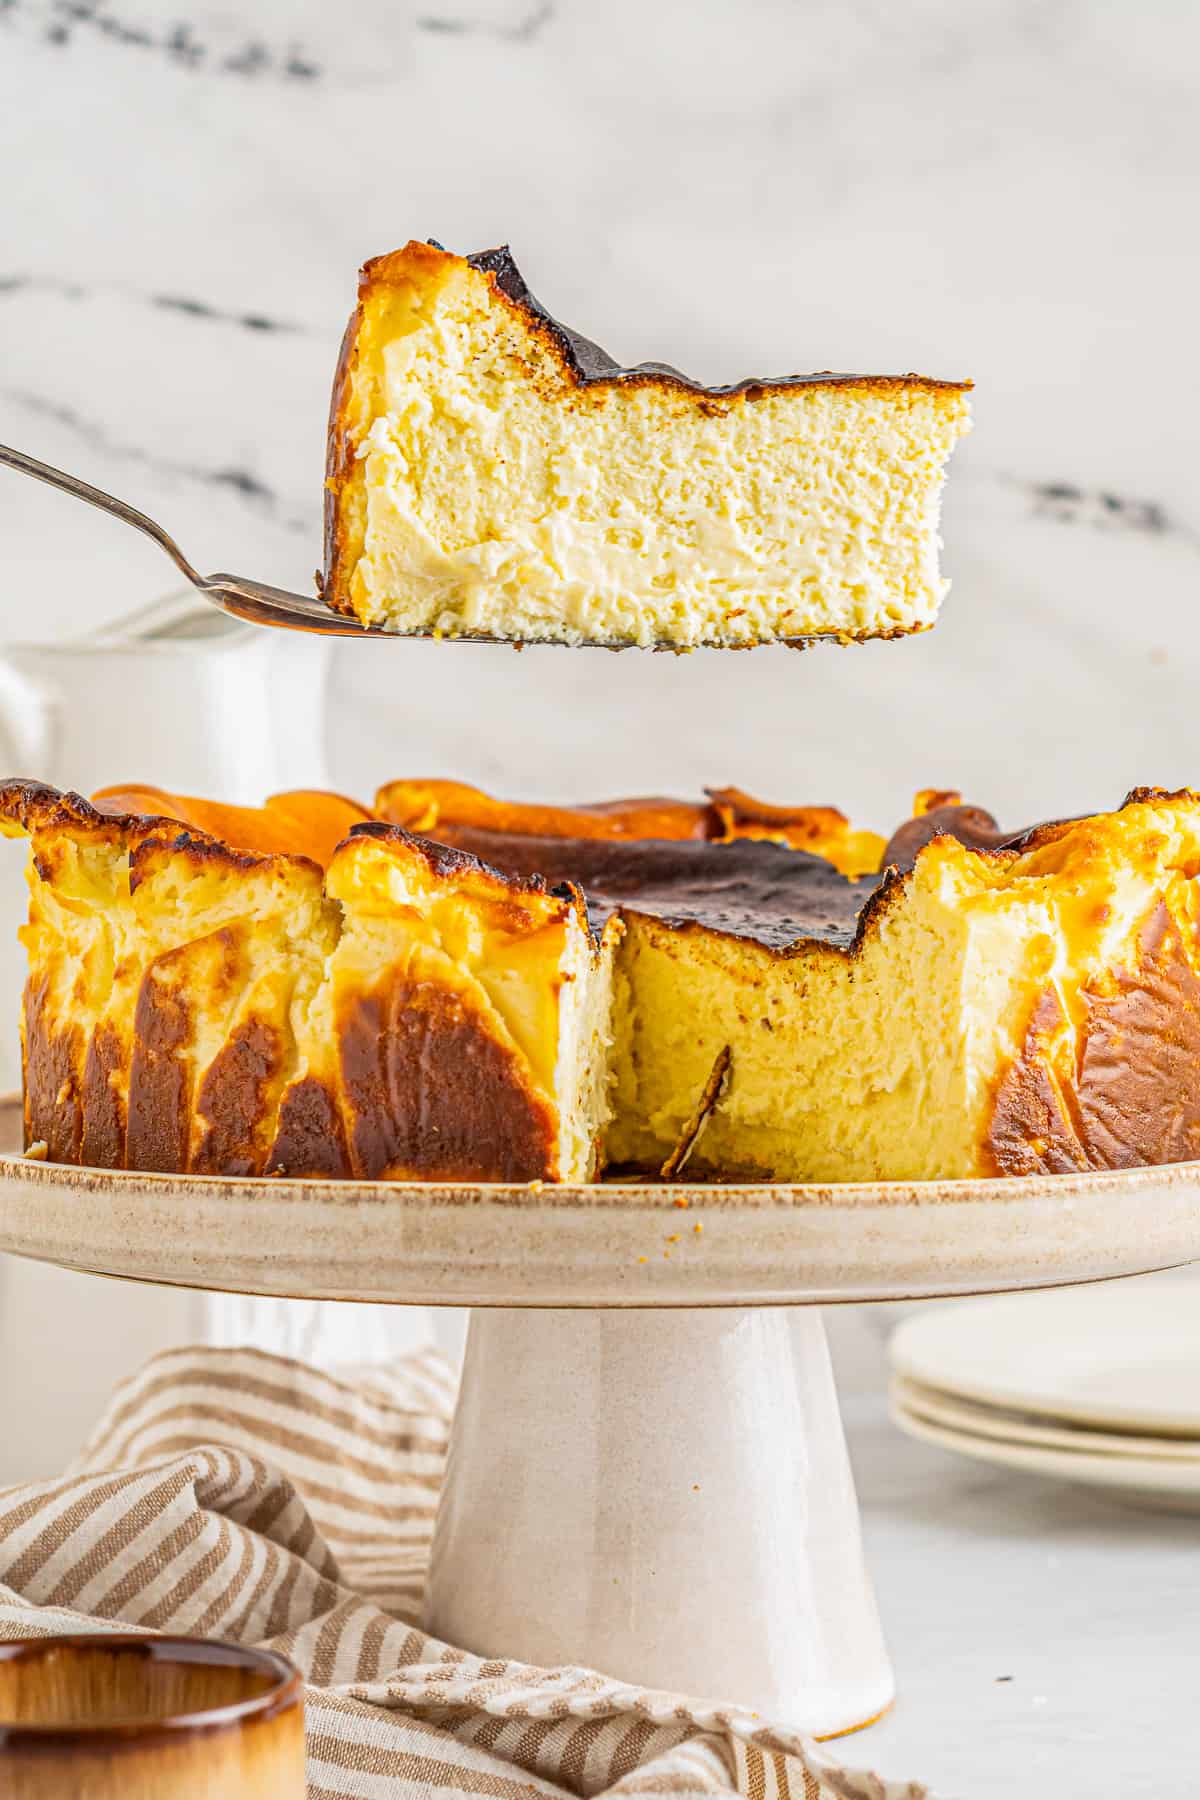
<point x="1086" y="1603"/>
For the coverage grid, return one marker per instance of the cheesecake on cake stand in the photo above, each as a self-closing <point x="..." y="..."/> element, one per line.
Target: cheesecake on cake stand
<point x="647" y="1436"/>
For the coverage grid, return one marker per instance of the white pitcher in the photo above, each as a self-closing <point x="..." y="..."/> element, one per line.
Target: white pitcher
<point x="179" y="696"/>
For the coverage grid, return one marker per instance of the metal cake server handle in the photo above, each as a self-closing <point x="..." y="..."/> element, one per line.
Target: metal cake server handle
<point x="234" y="594"/>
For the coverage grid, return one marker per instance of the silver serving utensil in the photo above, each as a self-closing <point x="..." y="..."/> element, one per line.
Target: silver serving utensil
<point x="234" y="594"/>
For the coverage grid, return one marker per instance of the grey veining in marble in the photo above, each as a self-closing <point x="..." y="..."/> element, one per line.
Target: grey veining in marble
<point x="1000" y="190"/>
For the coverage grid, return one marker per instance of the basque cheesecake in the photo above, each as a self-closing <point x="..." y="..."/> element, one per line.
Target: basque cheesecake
<point x="311" y="988"/>
<point x="493" y="474"/>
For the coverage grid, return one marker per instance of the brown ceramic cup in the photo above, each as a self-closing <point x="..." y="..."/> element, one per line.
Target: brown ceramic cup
<point x="148" y="1718"/>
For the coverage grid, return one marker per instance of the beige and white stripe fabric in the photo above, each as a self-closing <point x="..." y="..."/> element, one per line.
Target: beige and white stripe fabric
<point x="235" y="1494"/>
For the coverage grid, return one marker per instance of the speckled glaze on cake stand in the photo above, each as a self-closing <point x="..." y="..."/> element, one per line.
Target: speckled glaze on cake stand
<point x="647" y="1471"/>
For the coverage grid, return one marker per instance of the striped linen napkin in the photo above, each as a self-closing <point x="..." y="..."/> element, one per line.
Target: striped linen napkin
<point x="235" y="1494"/>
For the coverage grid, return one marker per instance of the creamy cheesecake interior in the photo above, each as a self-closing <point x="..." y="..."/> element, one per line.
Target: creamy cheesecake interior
<point x="533" y="1003"/>
<point x="491" y="472"/>
<point x="990" y="1018"/>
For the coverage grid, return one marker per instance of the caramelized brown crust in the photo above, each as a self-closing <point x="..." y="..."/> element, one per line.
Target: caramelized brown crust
<point x="454" y="813"/>
<point x="102" y="1145"/>
<point x="311" y="1137"/>
<point x="446" y="809"/>
<point x="822" y="830"/>
<point x="432" y="1094"/>
<point x="1130" y="1094"/>
<point x="585" y="364"/>
<point x="333" y="579"/>
<point x="51" y="1057"/>
<point x="239" y="1092"/>
<point x="304" y="822"/>
<point x="157" y="1134"/>
<point x="947" y="816"/>
<point x="30" y="806"/>
<point x="760" y="891"/>
<point x="256" y="835"/>
<point x="202" y="1075"/>
<point x="741" y="815"/>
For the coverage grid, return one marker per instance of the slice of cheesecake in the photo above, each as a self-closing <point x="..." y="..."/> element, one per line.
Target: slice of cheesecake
<point x="493" y="474"/>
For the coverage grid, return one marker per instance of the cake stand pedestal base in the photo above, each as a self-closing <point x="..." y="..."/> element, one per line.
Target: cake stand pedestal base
<point x="665" y="1495"/>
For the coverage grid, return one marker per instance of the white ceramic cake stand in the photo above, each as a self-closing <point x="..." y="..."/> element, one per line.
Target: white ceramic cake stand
<point x="647" y="1470"/>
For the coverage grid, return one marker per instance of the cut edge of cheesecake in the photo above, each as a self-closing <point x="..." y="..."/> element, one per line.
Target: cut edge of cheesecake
<point x="1019" y="1008"/>
<point x="493" y="474"/>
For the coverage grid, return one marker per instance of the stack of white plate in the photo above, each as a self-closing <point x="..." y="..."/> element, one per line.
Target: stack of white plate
<point x="1094" y="1384"/>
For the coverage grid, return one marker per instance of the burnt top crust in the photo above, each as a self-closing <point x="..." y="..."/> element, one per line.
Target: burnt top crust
<point x="971" y="825"/>
<point x="774" y="894"/>
<point x="976" y="829"/>
<point x="751" y="889"/>
<point x="589" y="363"/>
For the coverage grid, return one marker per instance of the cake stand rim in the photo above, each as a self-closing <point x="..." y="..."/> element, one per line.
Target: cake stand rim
<point x="419" y="1245"/>
<point x="622" y="1194"/>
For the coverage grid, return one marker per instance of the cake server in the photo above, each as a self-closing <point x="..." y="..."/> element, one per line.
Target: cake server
<point x="237" y="595"/>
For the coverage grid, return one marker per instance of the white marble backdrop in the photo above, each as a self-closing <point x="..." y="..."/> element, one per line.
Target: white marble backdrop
<point x="1004" y="189"/>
